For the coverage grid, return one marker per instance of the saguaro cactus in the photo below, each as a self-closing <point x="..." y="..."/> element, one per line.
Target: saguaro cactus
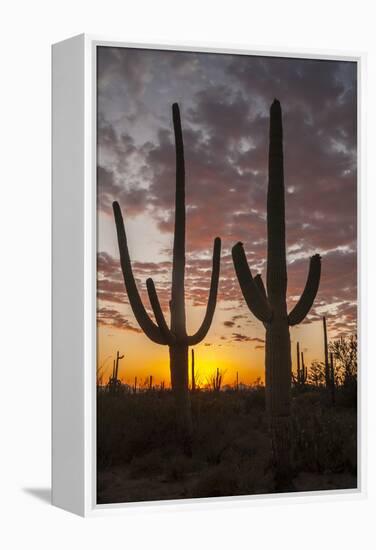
<point x="193" y="383"/>
<point x="332" y="380"/>
<point x="114" y="382"/>
<point x="176" y="336"/>
<point x="301" y="370"/>
<point x="269" y="305"/>
<point x="326" y="354"/>
<point x="216" y="380"/>
<point x="297" y="362"/>
<point x="118" y="358"/>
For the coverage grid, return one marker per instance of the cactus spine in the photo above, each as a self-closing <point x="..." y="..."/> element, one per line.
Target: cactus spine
<point x="176" y="336"/>
<point x="269" y="305"/>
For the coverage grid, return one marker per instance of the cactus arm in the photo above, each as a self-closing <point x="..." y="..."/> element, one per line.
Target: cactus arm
<point x="252" y="295"/>
<point x="308" y="296"/>
<point x="204" y="328"/>
<point x="148" y="326"/>
<point x="260" y="285"/>
<point x="159" y="317"/>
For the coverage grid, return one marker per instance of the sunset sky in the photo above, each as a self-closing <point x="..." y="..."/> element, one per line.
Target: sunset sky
<point x="224" y="102"/>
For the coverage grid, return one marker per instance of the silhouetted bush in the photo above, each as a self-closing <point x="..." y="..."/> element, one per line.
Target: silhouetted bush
<point x="139" y="457"/>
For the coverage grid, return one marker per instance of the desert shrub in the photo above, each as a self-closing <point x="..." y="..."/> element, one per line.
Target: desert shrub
<point x="254" y="399"/>
<point x="347" y="395"/>
<point x="139" y="448"/>
<point x="217" y="481"/>
<point x="129" y="425"/>
<point x="151" y="463"/>
<point x="177" y="467"/>
<point x="323" y="438"/>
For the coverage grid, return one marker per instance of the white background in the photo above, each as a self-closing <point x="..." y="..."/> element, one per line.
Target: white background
<point x="27" y="30"/>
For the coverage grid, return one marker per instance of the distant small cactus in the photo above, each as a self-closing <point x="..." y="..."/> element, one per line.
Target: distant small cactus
<point x="114" y="383"/>
<point x="216" y="380"/>
<point x="330" y="382"/>
<point x="300" y="379"/>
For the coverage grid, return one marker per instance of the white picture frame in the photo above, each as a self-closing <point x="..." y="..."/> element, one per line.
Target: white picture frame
<point x="74" y="278"/>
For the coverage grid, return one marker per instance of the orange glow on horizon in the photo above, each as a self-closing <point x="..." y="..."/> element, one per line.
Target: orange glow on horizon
<point x="143" y="358"/>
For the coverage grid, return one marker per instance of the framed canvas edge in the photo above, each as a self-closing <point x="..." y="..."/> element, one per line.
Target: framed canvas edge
<point x="91" y="507"/>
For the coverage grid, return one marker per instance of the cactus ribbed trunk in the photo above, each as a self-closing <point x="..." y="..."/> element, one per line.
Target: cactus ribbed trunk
<point x="179" y="382"/>
<point x="278" y="369"/>
<point x="278" y="396"/>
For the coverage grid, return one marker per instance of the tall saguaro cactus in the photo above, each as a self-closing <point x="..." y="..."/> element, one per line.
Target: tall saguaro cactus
<point x="175" y="336"/>
<point x="269" y="305"/>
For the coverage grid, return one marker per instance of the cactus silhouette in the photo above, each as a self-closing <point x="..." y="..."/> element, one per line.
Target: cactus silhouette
<point x="269" y="305"/>
<point x="301" y="370"/>
<point x="114" y="383"/>
<point x="176" y="336"/>
<point x="216" y="380"/>
<point x="332" y="379"/>
<point x="326" y="354"/>
<point x="193" y="383"/>
<point x="330" y="382"/>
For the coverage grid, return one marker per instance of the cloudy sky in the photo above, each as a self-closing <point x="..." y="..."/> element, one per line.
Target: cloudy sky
<point x="224" y="102"/>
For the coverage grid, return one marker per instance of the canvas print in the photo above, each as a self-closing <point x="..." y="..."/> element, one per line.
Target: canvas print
<point x="226" y="275"/>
